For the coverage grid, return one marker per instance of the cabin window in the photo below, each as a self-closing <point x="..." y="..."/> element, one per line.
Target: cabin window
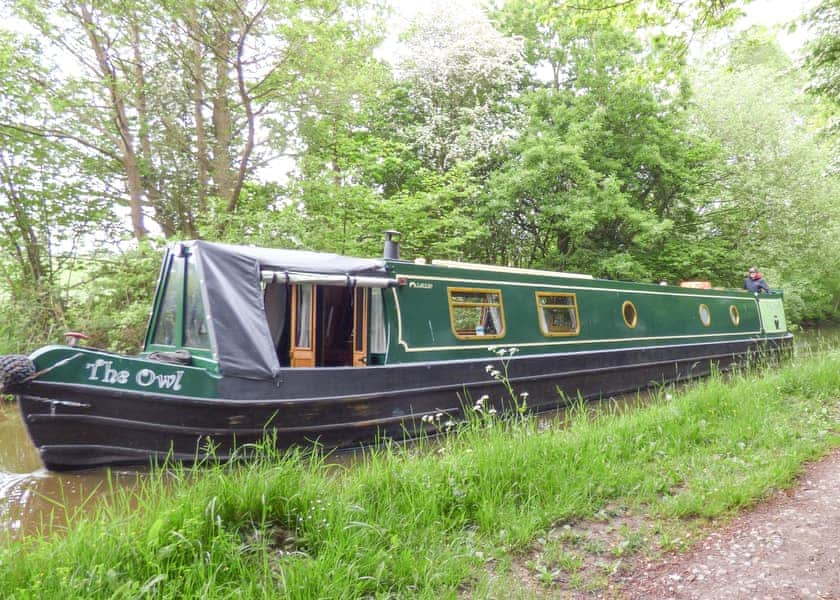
<point x="195" y="318"/>
<point x="705" y="315"/>
<point x="476" y="313"/>
<point x="558" y="314"/>
<point x="377" y="323"/>
<point x="734" y="315"/>
<point x="166" y="328"/>
<point x="628" y="312"/>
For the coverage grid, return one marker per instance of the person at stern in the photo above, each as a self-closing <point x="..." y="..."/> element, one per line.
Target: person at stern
<point x="755" y="282"/>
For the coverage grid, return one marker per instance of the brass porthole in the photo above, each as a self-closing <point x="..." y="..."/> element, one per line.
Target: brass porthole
<point x="705" y="315"/>
<point x="734" y="315"/>
<point x="631" y="317"/>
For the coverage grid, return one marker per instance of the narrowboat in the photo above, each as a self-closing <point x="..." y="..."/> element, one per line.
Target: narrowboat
<point x="340" y="351"/>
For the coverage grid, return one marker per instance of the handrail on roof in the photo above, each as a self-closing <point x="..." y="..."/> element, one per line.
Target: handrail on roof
<point x="498" y="269"/>
<point x="327" y="279"/>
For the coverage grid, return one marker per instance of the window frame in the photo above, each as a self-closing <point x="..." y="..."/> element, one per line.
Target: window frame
<point x="541" y="316"/>
<point x="200" y="355"/>
<point x="190" y="273"/>
<point x="707" y="322"/>
<point x="635" y="321"/>
<point x="178" y="325"/>
<point x="452" y="305"/>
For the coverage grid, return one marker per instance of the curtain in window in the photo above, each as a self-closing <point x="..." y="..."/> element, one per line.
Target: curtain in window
<point x="304" y="313"/>
<point x="378" y="344"/>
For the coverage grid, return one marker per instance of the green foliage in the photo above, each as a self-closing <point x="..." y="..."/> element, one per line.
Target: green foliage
<point x="105" y="295"/>
<point x="773" y="202"/>
<point x="48" y="202"/>
<point x="604" y="167"/>
<point x="823" y="60"/>
<point x="113" y="300"/>
<point x="184" y="101"/>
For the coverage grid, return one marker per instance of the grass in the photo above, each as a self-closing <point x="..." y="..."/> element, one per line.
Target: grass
<point x="453" y="519"/>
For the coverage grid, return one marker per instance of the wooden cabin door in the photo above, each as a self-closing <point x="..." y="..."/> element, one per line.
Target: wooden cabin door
<point x="360" y="326"/>
<point x="302" y="352"/>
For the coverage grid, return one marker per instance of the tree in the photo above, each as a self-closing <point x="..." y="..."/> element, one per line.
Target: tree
<point x="186" y="100"/>
<point x="823" y="58"/>
<point x="48" y="202"/>
<point x="823" y="63"/>
<point x="461" y="77"/>
<point x="404" y="150"/>
<point x="604" y="168"/>
<point x="774" y="203"/>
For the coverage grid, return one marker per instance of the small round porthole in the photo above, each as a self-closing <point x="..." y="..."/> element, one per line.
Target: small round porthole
<point x="631" y="317"/>
<point x="734" y="314"/>
<point x="705" y="315"/>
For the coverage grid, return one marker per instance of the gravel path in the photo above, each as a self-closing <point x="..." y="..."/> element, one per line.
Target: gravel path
<point x="787" y="548"/>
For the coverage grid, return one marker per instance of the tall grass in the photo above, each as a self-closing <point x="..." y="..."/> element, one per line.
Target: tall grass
<point x="420" y="521"/>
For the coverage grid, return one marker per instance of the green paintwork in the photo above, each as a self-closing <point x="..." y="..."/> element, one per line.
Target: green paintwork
<point x="666" y="314"/>
<point x="417" y="314"/>
<point x="772" y="314"/>
<point x="99" y="369"/>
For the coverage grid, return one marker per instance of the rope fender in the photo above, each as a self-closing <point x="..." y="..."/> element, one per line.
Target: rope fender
<point x="15" y="369"/>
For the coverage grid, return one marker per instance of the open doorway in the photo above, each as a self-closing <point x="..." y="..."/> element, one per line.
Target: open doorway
<point x="328" y="326"/>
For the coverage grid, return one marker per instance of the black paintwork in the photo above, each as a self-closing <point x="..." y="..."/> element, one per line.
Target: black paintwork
<point x="340" y="407"/>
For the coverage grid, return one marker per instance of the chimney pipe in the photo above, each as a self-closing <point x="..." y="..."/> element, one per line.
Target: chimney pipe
<point x="392" y="245"/>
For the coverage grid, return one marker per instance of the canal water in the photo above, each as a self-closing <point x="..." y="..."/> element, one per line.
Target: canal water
<point x="34" y="500"/>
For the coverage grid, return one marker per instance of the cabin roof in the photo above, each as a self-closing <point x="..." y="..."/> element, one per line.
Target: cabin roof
<point x="297" y="261"/>
<point x="232" y="291"/>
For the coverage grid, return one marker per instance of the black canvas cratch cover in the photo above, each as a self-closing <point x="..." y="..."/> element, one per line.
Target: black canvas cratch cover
<point x="233" y="298"/>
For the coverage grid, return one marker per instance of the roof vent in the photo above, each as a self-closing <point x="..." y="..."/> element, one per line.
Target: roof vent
<point x="392" y="245"/>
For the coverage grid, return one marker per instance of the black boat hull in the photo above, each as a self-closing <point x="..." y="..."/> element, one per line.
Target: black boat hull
<point x="77" y="426"/>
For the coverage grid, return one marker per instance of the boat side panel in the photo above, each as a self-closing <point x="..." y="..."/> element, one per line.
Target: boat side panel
<point x="664" y="316"/>
<point x="772" y="314"/>
<point x="97" y="369"/>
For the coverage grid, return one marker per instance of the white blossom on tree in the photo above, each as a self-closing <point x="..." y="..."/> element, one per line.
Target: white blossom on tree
<point x="462" y="78"/>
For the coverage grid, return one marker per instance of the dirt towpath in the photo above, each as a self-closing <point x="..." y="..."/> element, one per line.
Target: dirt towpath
<point x="787" y="548"/>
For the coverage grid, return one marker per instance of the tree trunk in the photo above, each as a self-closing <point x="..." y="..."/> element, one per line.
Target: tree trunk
<point x="146" y="161"/>
<point x="247" y="104"/>
<point x="196" y="68"/>
<point x="20" y="227"/>
<point x="223" y="174"/>
<point x="126" y="139"/>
